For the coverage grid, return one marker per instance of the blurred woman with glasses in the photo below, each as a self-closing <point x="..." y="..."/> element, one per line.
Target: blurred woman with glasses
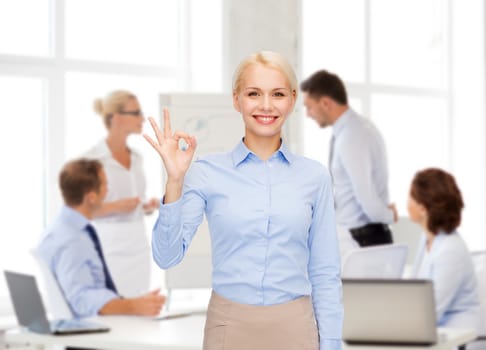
<point x="120" y="221"/>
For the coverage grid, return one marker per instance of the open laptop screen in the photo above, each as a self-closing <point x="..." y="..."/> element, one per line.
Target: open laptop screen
<point x="384" y="311"/>
<point x="31" y="313"/>
<point x="27" y="302"/>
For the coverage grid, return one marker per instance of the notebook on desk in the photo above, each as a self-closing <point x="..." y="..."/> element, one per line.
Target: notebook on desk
<point x="385" y="311"/>
<point x="30" y="311"/>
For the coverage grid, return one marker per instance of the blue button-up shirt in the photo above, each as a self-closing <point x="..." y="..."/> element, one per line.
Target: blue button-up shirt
<point x="70" y="254"/>
<point x="360" y="172"/>
<point x="272" y="230"/>
<point x="449" y="265"/>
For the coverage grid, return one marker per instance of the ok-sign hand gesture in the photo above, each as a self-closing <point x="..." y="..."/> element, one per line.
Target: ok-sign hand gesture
<point x="176" y="160"/>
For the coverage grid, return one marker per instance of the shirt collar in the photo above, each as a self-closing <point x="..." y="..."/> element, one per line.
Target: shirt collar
<point x="343" y="119"/>
<point x="101" y="150"/>
<point x="285" y="153"/>
<point x="240" y="153"/>
<point x="439" y="237"/>
<point x="75" y="218"/>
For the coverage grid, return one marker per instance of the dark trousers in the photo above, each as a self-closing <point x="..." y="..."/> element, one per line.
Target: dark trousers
<point x="372" y="234"/>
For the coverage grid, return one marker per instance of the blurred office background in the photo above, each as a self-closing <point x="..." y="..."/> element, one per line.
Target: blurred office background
<point x="415" y="67"/>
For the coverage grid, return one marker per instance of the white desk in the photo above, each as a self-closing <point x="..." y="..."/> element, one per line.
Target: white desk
<point x="127" y="333"/>
<point x="180" y="334"/>
<point x="449" y="339"/>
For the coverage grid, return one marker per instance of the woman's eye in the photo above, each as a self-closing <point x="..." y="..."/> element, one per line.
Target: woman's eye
<point x="253" y="93"/>
<point x="279" y="94"/>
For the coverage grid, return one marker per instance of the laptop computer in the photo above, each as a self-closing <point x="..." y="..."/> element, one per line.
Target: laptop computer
<point x="30" y="311"/>
<point x="389" y="312"/>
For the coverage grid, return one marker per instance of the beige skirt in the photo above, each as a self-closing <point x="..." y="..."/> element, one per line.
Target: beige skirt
<point x="235" y="326"/>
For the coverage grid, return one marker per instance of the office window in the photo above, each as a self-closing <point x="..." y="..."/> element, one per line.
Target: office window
<point x="334" y="37"/>
<point x="25" y="27"/>
<point x="417" y="68"/>
<point x="418" y="122"/>
<point x="128" y="31"/>
<point x="408" y="47"/>
<point x="206" y="51"/>
<point x="22" y="176"/>
<point x="51" y="70"/>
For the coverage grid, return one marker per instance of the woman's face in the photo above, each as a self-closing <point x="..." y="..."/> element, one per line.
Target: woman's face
<point x="416" y="211"/>
<point x="131" y="118"/>
<point x="265" y="100"/>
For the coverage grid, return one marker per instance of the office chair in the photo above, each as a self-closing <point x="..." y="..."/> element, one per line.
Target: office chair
<point x="58" y="305"/>
<point x="382" y="261"/>
<point x="407" y="232"/>
<point x="193" y="272"/>
<point x="479" y="260"/>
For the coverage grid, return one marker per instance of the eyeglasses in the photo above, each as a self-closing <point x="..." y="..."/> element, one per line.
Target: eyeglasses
<point x="137" y="113"/>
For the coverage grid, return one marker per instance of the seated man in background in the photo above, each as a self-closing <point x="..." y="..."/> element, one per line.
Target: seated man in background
<point x="71" y="249"/>
<point x="435" y="203"/>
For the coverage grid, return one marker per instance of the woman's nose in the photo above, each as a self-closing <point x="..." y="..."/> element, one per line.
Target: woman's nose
<point x="266" y="102"/>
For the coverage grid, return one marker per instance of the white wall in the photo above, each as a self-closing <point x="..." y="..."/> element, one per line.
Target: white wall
<point x="254" y="25"/>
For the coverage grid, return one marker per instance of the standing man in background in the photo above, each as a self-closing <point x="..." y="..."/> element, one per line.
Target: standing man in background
<point x="357" y="162"/>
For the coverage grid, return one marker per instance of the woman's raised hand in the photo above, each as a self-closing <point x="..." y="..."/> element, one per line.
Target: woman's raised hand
<point x="176" y="160"/>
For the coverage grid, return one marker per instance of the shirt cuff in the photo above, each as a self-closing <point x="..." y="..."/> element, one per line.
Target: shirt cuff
<point x="102" y="299"/>
<point x="89" y="302"/>
<point x="389" y="217"/>
<point x="330" y="344"/>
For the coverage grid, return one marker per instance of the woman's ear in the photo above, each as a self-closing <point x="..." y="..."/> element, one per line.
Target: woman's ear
<point x="114" y="120"/>
<point x="423" y="209"/>
<point x="236" y="102"/>
<point x="294" y="95"/>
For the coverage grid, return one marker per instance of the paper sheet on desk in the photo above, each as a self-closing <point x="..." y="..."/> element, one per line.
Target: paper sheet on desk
<point x="168" y="315"/>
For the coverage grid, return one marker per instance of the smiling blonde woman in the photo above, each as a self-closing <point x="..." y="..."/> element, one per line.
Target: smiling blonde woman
<point x="276" y="282"/>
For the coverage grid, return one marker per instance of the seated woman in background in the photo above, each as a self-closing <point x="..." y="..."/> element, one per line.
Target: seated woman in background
<point x="435" y="202"/>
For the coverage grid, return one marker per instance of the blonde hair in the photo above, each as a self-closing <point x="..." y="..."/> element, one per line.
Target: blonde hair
<point x="112" y="103"/>
<point x="268" y="59"/>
